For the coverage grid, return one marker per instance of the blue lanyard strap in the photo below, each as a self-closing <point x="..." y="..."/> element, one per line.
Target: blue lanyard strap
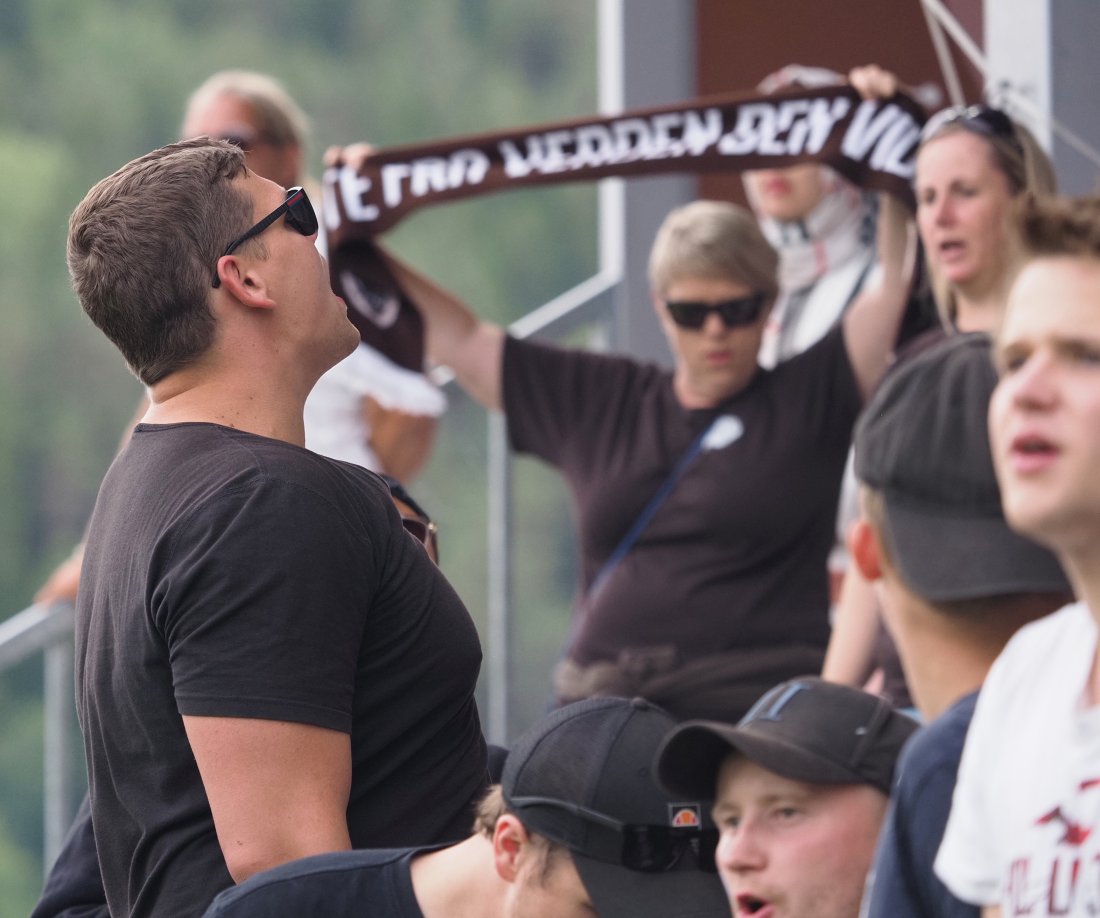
<point x="628" y="540"/>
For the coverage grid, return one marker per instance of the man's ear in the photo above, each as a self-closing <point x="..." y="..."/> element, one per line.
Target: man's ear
<point x="864" y="548"/>
<point x="510" y="839"/>
<point x="244" y="283"/>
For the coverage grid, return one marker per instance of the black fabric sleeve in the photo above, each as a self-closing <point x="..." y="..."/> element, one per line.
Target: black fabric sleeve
<point x="555" y="399"/>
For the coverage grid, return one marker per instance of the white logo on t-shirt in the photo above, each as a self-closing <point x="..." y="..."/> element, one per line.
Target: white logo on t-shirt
<point x="724" y="430"/>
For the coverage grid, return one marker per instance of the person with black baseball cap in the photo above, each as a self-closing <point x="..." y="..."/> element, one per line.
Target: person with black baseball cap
<point x="577" y="827"/>
<point x="800" y="787"/>
<point x="954" y="583"/>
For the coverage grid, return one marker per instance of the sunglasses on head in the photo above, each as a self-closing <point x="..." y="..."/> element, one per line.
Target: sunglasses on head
<point x="980" y="119"/>
<point x="647" y="849"/>
<point x="740" y="311"/>
<point x="300" y="216"/>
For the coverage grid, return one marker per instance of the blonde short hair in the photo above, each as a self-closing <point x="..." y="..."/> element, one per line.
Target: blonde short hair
<point x="713" y="239"/>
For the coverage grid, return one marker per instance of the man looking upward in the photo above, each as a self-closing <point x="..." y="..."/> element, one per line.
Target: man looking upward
<point x="268" y="665"/>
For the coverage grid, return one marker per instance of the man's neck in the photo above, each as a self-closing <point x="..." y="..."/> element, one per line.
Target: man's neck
<point x="459" y="882"/>
<point x="267" y="411"/>
<point x="947" y="657"/>
<point x="940" y="672"/>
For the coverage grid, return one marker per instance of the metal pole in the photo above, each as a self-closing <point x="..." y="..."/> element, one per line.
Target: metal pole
<point x="500" y="628"/>
<point x="57" y="747"/>
<point x="943" y="55"/>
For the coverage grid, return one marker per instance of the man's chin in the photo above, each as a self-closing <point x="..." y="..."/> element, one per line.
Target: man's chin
<point x="353" y="340"/>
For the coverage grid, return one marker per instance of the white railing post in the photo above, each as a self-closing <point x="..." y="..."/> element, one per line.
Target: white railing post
<point x="57" y="768"/>
<point x="499" y="571"/>
<point x="49" y="630"/>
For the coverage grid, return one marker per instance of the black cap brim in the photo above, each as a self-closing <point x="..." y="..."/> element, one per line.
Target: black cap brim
<point x="691" y="755"/>
<point x="945" y="558"/>
<point x="617" y="892"/>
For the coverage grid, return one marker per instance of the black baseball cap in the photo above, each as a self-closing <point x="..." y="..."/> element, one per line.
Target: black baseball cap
<point x="583" y="778"/>
<point x="804" y="729"/>
<point x="923" y="443"/>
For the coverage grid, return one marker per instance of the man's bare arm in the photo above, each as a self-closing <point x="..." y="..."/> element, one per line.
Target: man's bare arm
<point x="871" y="323"/>
<point x="278" y="791"/>
<point x="849" y="657"/>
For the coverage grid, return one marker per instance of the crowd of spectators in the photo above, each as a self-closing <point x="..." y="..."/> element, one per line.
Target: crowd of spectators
<point x="275" y="679"/>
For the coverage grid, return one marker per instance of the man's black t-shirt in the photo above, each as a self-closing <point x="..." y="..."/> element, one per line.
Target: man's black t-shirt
<point x="736" y="555"/>
<point x="74" y="888"/>
<point x="232" y="575"/>
<point x="350" y="884"/>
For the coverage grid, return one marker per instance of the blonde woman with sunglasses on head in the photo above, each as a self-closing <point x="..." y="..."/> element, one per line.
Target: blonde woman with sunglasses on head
<point x="972" y="164"/>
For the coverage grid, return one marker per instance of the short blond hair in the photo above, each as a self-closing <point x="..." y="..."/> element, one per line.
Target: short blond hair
<point x="489" y="809"/>
<point x="713" y="239"/>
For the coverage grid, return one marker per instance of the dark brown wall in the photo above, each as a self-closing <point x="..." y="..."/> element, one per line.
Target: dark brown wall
<point x="741" y="41"/>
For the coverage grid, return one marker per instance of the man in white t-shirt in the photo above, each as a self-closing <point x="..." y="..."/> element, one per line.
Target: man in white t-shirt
<point x="1023" y="837"/>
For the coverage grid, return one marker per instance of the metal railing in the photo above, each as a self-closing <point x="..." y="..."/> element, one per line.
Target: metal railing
<point x="49" y="630"/>
<point x="587" y="303"/>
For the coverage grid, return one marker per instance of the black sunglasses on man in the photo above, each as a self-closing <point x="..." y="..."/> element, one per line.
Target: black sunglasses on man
<point x="300" y="216"/>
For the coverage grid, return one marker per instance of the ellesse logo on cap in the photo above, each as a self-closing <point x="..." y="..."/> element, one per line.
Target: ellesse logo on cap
<point x="684" y="814"/>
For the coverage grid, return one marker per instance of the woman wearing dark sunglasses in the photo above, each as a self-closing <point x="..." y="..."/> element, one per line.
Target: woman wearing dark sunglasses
<point x="705" y="498"/>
